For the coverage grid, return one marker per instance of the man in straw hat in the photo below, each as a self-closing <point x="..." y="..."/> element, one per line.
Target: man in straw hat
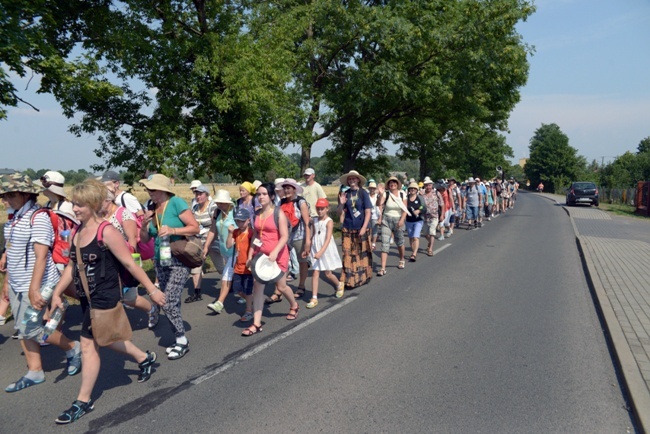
<point x="30" y="269"/>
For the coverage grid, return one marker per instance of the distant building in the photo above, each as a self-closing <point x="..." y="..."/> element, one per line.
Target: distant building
<point x="7" y="171"/>
<point x="522" y="162"/>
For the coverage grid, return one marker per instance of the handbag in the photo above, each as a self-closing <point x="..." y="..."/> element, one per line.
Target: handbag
<point x="106" y="325"/>
<point x="188" y="250"/>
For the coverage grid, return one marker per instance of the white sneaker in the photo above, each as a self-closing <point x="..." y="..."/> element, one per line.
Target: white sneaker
<point x="216" y="307"/>
<point x="441" y="237"/>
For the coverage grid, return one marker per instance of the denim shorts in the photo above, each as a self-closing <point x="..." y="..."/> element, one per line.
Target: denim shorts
<point x="242" y="283"/>
<point x="472" y="212"/>
<point x="414" y="228"/>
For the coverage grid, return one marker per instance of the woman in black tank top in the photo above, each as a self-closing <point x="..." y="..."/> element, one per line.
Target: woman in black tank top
<point x="102" y="270"/>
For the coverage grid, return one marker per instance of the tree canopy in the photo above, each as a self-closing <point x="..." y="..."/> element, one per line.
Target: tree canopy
<point x="220" y="87"/>
<point x="552" y="160"/>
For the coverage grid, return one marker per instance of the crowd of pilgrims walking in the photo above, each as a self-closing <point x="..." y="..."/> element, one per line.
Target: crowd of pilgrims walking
<point x="78" y="245"/>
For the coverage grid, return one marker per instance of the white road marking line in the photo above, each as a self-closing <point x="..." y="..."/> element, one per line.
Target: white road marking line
<point x="435" y="252"/>
<point x="267" y="344"/>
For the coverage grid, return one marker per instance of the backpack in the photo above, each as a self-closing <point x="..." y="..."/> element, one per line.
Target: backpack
<point x="498" y="188"/>
<point x="147" y="249"/>
<point x="126" y="279"/>
<point x="289" y="209"/>
<point x="276" y="218"/>
<point x="60" y="248"/>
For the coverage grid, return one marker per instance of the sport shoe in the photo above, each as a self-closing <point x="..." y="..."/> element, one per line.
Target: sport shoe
<point x="441" y="237"/>
<point x="216" y="307"/>
<point x="248" y="316"/>
<point x="153" y="316"/>
<point x="16" y="334"/>
<point x="74" y="363"/>
<point x="78" y="409"/>
<point x="5" y="320"/>
<point x="312" y="304"/>
<point x="145" y="367"/>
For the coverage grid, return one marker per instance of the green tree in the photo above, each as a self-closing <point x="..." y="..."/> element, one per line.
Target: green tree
<point x="644" y="146"/>
<point x="552" y="160"/>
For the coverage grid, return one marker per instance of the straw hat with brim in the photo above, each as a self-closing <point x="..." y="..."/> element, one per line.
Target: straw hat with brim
<point x="19" y="183"/>
<point x="470" y="180"/>
<point x="264" y="270"/>
<point x="372" y="184"/>
<point x="278" y="183"/>
<point x="414" y="185"/>
<point x="292" y="183"/>
<point x="427" y="180"/>
<point x="396" y="179"/>
<point x="344" y="179"/>
<point x="158" y="182"/>
<point x="223" y="196"/>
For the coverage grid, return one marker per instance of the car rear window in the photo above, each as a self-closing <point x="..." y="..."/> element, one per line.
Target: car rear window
<point x="584" y="185"/>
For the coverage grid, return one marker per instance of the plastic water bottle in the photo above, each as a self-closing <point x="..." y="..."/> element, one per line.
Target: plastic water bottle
<point x="65" y="236"/>
<point x="165" y="252"/>
<point x="31" y="313"/>
<point x="54" y="321"/>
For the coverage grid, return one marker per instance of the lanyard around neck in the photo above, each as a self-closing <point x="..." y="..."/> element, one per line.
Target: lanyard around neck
<point x="159" y="221"/>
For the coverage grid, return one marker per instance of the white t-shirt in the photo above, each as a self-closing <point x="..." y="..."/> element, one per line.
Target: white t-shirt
<point x="128" y="201"/>
<point x="20" y="236"/>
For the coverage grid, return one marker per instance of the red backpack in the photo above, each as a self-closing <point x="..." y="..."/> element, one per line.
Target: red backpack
<point x="289" y="208"/>
<point x="60" y="248"/>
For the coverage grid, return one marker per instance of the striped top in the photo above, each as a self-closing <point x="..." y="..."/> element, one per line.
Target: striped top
<point x="20" y="236"/>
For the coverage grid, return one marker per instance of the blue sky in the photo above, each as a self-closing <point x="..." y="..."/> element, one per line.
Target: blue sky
<point x="590" y="74"/>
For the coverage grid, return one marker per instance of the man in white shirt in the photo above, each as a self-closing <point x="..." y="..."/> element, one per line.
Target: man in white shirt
<point x="312" y="191"/>
<point x="112" y="181"/>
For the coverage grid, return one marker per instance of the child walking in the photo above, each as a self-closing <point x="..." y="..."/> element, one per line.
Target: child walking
<point x="242" y="280"/>
<point x="325" y="256"/>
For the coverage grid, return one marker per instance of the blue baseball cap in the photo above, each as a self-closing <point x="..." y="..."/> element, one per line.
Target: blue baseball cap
<point x="242" y="214"/>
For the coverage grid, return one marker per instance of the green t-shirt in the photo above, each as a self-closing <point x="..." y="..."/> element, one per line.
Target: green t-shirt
<point x="170" y="217"/>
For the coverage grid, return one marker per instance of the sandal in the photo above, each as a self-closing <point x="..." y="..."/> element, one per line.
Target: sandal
<point x="412" y="258"/>
<point x="189" y="299"/>
<point x="300" y="292"/>
<point x="274" y="298"/>
<point x="381" y="272"/>
<point x="401" y="265"/>
<point x="177" y="351"/>
<point x="340" y="290"/>
<point x="430" y="252"/>
<point x="78" y="409"/>
<point x="250" y="331"/>
<point x="293" y="312"/>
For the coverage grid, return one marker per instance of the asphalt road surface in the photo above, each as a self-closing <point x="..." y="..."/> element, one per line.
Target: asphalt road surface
<point x="496" y="333"/>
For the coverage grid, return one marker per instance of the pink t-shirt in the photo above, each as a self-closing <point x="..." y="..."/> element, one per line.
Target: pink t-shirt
<point x="270" y="235"/>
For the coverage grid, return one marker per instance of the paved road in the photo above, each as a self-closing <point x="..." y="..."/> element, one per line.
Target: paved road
<point x="496" y="333"/>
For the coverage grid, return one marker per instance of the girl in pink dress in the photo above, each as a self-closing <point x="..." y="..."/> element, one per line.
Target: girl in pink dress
<point x="271" y="240"/>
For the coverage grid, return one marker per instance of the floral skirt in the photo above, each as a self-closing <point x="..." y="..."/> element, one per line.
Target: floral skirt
<point x="357" y="258"/>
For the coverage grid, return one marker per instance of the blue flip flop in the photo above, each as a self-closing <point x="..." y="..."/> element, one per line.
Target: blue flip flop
<point x="21" y="384"/>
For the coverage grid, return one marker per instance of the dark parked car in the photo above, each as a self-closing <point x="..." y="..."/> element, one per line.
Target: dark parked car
<point x="582" y="192"/>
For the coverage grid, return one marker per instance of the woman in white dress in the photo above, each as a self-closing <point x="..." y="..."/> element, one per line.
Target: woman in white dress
<point x="325" y="256"/>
